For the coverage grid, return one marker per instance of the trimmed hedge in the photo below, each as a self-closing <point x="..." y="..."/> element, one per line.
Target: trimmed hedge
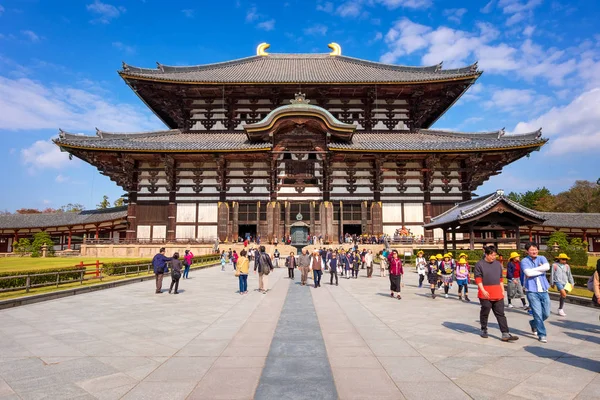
<point x="118" y="268"/>
<point x="36" y="280"/>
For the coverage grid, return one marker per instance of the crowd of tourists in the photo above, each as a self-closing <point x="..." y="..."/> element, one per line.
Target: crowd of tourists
<point x="526" y="278"/>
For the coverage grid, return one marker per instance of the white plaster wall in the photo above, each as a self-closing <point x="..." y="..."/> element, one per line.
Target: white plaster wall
<point x="413" y="212"/>
<point x="186" y="212"/>
<point x="143" y="232"/>
<point x="207" y="213"/>
<point x="185" y="232"/>
<point x="392" y="212"/>
<point x="207" y="232"/>
<point x="159" y="232"/>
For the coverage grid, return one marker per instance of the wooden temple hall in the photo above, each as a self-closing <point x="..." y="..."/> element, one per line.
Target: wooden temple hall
<point x="254" y="145"/>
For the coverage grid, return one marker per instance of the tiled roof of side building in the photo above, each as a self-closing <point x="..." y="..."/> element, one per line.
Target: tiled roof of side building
<point x="420" y="141"/>
<point x="571" y="220"/>
<point x="49" y="220"/>
<point x="469" y="209"/>
<point x="299" y="68"/>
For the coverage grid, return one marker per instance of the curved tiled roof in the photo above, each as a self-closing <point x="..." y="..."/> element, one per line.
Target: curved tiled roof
<point x="299" y="68"/>
<point x="571" y="220"/>
<point x="49" y="220"/>
<point x="472" y="208"/>
<point x="421" y="141"/>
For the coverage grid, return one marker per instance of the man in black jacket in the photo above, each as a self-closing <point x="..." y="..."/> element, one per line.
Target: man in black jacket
<point x="264" y="266"/>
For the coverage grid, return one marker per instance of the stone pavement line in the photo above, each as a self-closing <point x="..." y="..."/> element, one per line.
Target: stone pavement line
<point x="236" y="372"/>
<point x="178" y="376"/>
<point x="297" y="366"/>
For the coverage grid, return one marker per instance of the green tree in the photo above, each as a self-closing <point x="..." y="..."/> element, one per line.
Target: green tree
<point x="578" y="243"/>
<point x="530" y="198"/>
<point x="22" y="246"/>
<point x="104" y="204"/>
<point x="72" y="207"/>
<point x="40" y="239"/>
<point x="119" y="202"/>
<point x="559" y="238"/>
<point x="582" y="197"/>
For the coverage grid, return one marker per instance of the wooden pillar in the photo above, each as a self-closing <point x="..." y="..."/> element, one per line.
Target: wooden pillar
<point x="288" y="207"/>
<point x="445" y="239"/>
<point x="69" y="240"/>
<point x="235" y="226"/>
<point x="363" y="218"/>
<point x="326" y="177"/>
<point x="518" y="237"/>
<point x="313" y="231"/>
<point x="471" y="238"/>
<point x="530" y="235"/>
<point x="171" y="217"/>
<point x="97" y="233"/>
<point x="585" y="235"/>
<point x="454" y="238"/>
<point x="377" y="180"/>
<point x="131" y="231"/>
<point x="326" y="216"/>
<point x="341" y="235"/>
<point x="16" y="238"/>
<point x="222" y="220"/>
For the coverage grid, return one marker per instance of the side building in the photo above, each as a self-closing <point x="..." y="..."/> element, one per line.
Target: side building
<point x="253" y="145"/>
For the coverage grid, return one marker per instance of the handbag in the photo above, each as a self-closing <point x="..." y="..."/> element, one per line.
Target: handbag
<point x="237" y="273"/>
<point x="176" y="275"/>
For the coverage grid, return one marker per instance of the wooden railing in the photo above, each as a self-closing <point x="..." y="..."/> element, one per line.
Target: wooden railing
<point x="150" y="241"/>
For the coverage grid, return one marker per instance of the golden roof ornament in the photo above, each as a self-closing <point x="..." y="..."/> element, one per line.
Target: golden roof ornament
<point x="300" y="98"/>
<point x="261" y="49"/>
<point x="336" y="49"/>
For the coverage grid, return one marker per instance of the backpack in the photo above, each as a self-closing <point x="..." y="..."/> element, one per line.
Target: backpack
<point x="266" y="270"/>
<point x="590" y="283"/>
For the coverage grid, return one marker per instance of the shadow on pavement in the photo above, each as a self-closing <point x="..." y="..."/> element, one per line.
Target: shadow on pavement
<point x="574" y="361"/>
<point x="579" y="326"/>
<point x="587" y="338"/>
<point x="460" y="327"/>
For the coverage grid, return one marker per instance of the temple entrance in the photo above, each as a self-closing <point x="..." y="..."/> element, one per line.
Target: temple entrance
<point x="352" y="229"/>
<point x="247" y="231"/>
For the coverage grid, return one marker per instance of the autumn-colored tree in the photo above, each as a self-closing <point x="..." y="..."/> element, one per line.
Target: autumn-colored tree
<point x="582" y="197"/>
<point x="72" y="207"/>
<point x="28" y="211"/>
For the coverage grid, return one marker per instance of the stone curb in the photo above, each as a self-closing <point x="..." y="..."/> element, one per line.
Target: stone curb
<point x="36" y="298"/>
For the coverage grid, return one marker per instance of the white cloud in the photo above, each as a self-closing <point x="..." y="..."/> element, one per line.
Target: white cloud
<point x="326" y="7"/>
<point x="350" y="8"/>
<point x="517" y="100"/>
<point x="189" y="13"/>
<point x="31" y="35"/>
<point x="574" y="128"/>
<point x="61" y="178"/>
<point x="123" y="47"/>
<point x="317" y="29"/>
<point x="392" y="4"/>
<point x="455" y="14"/>
<point x="266" y="25"/>
<point x="252" y="14"/>
<point x="105" y="12"/>
<point x="457" y="48"/>
<point x="43" y="154"/>
<point x="488" y="7"/>
<point x="518" y="9"/>
<point x="528" y="31"/>
<point x="46" y="202"/>
<point x="27" y="104"/>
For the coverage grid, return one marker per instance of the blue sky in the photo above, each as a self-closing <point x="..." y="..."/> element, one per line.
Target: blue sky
<point x="58" y="63"/>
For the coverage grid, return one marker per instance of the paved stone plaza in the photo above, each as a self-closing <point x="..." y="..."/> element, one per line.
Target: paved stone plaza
<point x="349" y="342"/>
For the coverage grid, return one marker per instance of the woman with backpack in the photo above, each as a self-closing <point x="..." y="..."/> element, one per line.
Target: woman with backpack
<point x="187" y="263"/>
<point x="561" y="277"/>
<point x="175" y="273"/>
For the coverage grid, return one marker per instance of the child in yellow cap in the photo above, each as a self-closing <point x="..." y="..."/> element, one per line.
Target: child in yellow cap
<point x="562" y="278"/>
<point x="433" y="275"/>
<point x="462" y="278"/>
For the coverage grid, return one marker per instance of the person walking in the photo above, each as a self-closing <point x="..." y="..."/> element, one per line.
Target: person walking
<point x="175" y="273"/>
<point x="356" y="262"/>
<point x="488" y="276"/>
<point x="264" y="266"/>
<point x="242" y="268"/>
<point x="447" y="268"/>
<point x="343" y="263"/>
<point x="383" y="264"/>
<point x="332" y="264"/>
<point x="562" y="278"/>
<point x="234" y="259"/>
<point x="396" y="272"/>
<point x="421" y="267"/>
<point x="513" y="277"/>
<point x="462" y="278"/>
<point x="316" y="266"/>
<point x="433" y="274"/>
<point x="304" y="265"/>
<point x="594" y="282"/>
<point x="276" y="256"/>
<point x="535" y="267"/>
<point x="369" y="263"/>
<point x="188" y="259"/>
<point x="159" y="264"/>
<point x="290" y="263"/>
<point x="223" y="260"/>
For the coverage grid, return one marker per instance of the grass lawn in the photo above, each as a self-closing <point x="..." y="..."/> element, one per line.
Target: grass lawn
<point x="592" y="260"/>
<point x="15" y="264"/>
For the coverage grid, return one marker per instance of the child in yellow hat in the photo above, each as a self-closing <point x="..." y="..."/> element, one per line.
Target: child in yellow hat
<point x="562" y="278"/>
<point x="421" y="267"/>
<point x="447" y="267"/>
<point x="513" y="277"/>
<point x="433" y="274"/>
<point x="462" y="278"/>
